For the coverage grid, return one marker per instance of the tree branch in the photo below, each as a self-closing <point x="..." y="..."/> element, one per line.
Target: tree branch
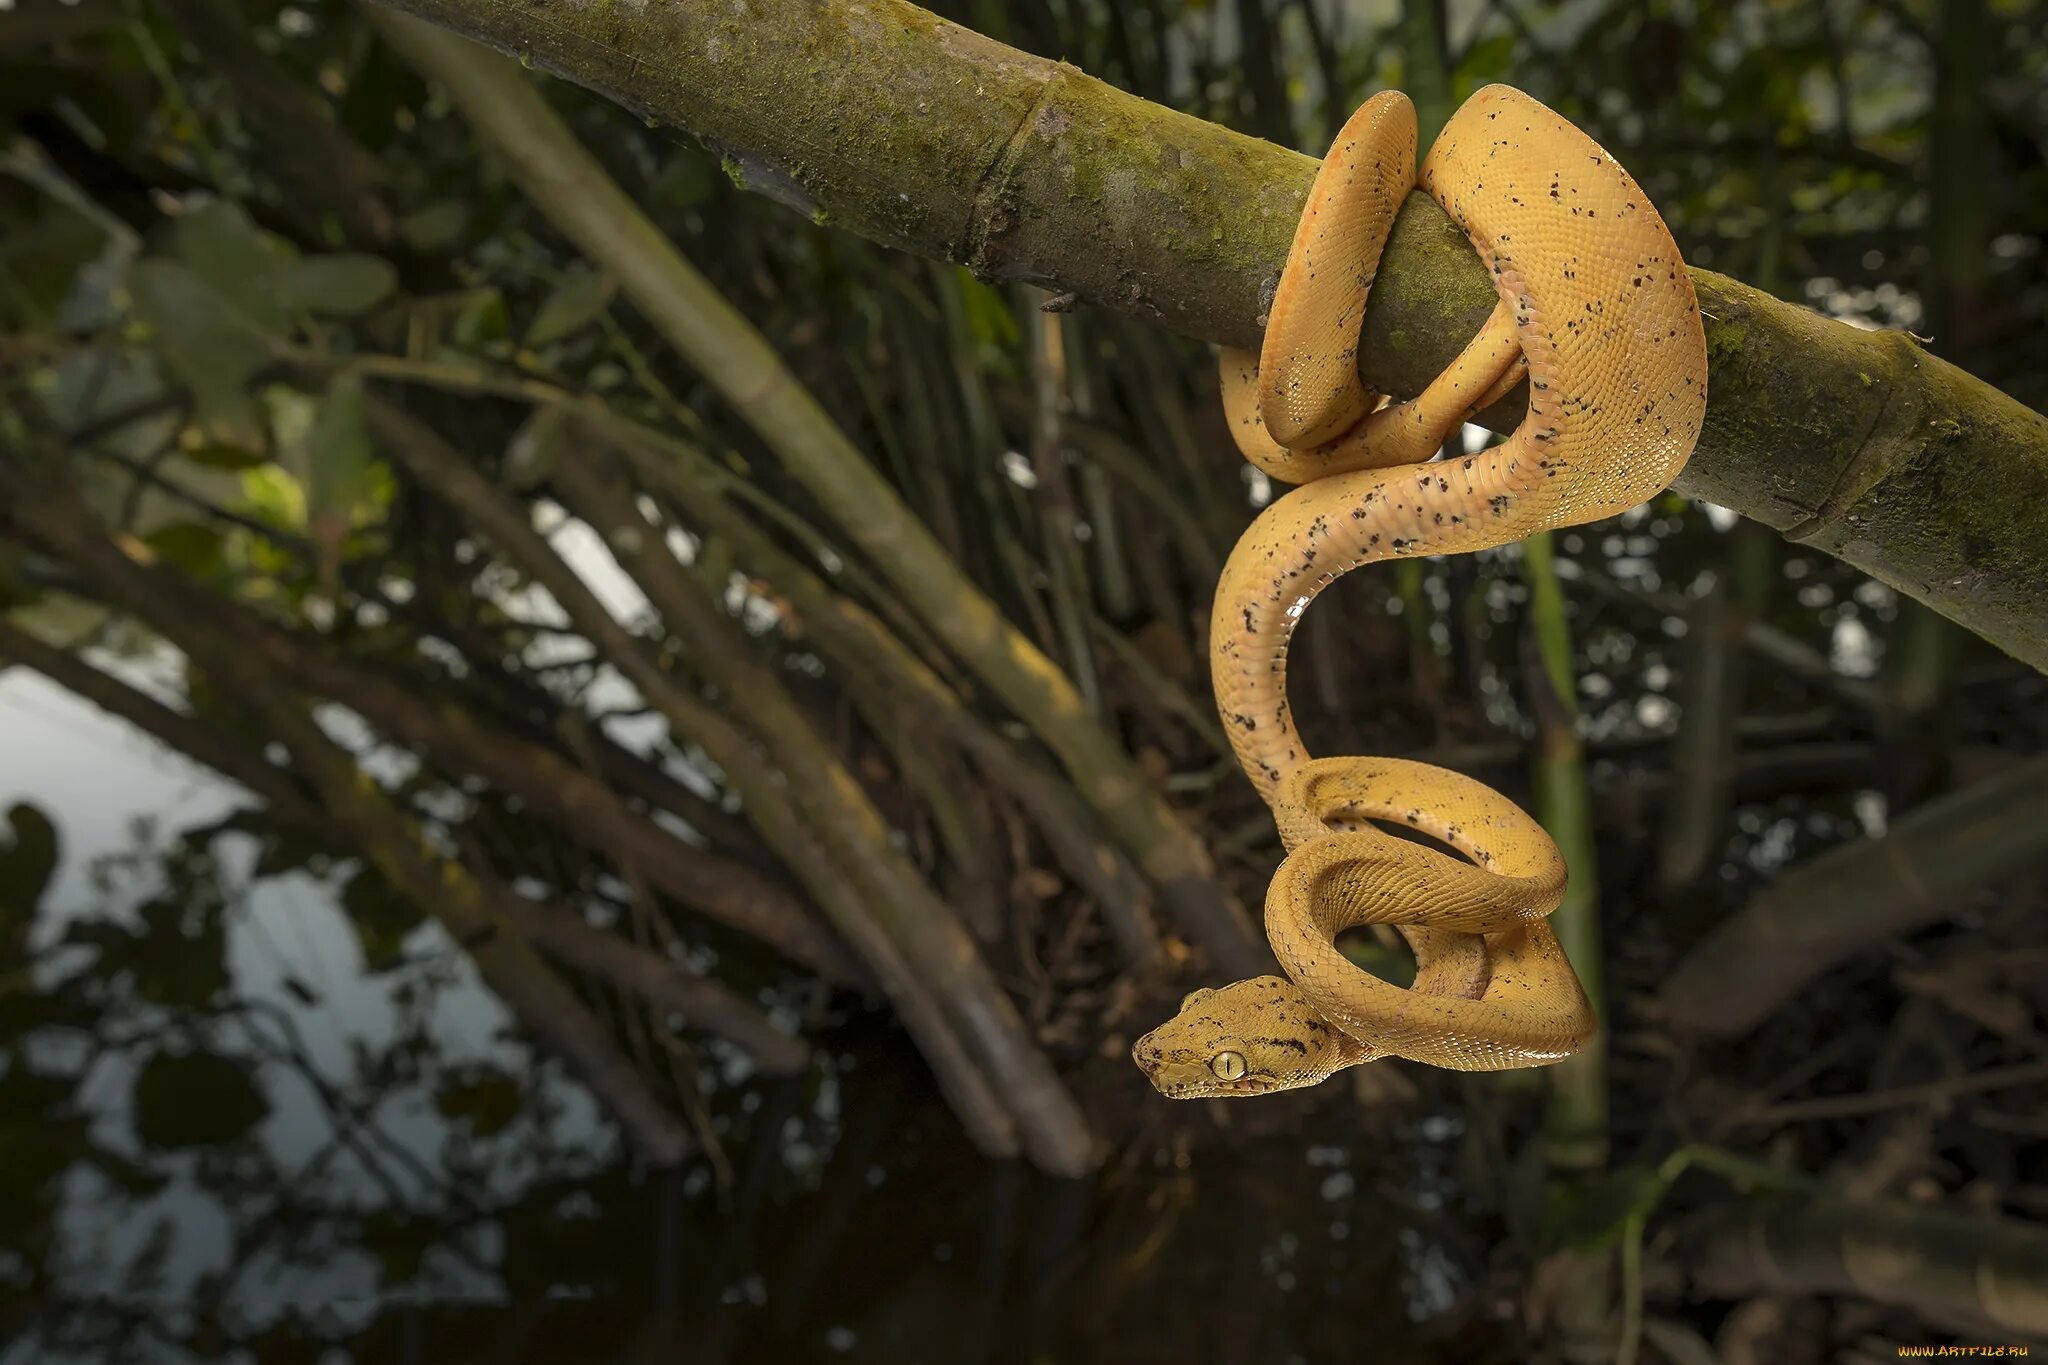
<point x="913" y="131"/>
<point x="1970" y="1273"/>
<point x="1812" y="916"/>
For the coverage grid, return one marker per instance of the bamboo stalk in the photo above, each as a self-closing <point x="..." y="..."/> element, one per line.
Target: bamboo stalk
<point x="1693" y="830"/>
<point x="924" y="929"/>
<point x="811" y="853"/>
<point x="1066" y="566"/>
<point x="1576" y="1132"/>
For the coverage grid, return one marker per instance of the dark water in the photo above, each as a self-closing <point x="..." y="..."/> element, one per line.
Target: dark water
<point x="234" y="1126"/>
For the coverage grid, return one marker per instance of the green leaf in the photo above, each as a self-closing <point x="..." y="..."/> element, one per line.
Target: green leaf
<point x="219" y="244"/>
<point x="204" y="339"/>
<point x="198" y="549"/>
<point x="343" y="284"/>
<point x="1486" y="60"/>
<point x="47" y="252"/>
<point x="437" y="227"/>
<point x="575" y="304"/>
<point x="216" y="456"/>
<point x="195" y="1099"/>
<point x="275" y="496"/>
<point x="339" y="453"/>
<point x="989" y="319"/>
<point x="482" y="320"/>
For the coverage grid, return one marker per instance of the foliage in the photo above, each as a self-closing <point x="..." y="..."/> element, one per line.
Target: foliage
<point x="210" y="345"/>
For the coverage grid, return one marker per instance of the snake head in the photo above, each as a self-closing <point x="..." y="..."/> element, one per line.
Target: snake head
<point x="1251" y="1037"/>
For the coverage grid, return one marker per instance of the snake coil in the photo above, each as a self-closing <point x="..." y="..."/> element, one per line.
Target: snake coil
<point x="1596" y="310"/>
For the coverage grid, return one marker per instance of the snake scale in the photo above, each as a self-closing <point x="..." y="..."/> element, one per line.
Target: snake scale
<point x="1597" y="311"/>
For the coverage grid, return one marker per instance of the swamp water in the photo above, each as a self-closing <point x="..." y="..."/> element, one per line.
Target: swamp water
<point x="225" y="1137"/>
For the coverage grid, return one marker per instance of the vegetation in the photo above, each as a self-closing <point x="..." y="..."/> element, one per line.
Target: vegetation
<point x="730" y="635"/>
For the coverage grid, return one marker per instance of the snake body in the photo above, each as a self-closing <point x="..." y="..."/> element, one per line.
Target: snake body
<point x="1597" y="311"/>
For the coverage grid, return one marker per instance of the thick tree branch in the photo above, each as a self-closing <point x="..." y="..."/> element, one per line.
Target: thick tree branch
<point x="920" y="134"/>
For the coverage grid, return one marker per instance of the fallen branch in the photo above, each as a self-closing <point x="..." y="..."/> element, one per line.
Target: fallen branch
<point x="1849" y="898"/>
<point x="1968" y="1273"/>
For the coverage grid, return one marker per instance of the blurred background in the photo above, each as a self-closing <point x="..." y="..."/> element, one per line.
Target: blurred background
<point x="491" y="871"/>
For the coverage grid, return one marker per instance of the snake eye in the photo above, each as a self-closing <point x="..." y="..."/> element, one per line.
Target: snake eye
<point x="1196" y="994"/>
<point x="1228" y="1066"/>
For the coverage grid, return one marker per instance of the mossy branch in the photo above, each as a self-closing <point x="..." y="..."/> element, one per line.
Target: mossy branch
<point x="910" y="130"/>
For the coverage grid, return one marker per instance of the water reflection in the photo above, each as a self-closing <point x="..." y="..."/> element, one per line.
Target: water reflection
<point x="239" y="1124"/>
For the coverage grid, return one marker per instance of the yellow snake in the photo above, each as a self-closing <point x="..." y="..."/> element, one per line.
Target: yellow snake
<point x="1596" y="309"/>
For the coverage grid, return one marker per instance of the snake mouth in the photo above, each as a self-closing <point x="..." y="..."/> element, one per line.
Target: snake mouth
<point x="1244" y="1087"/>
